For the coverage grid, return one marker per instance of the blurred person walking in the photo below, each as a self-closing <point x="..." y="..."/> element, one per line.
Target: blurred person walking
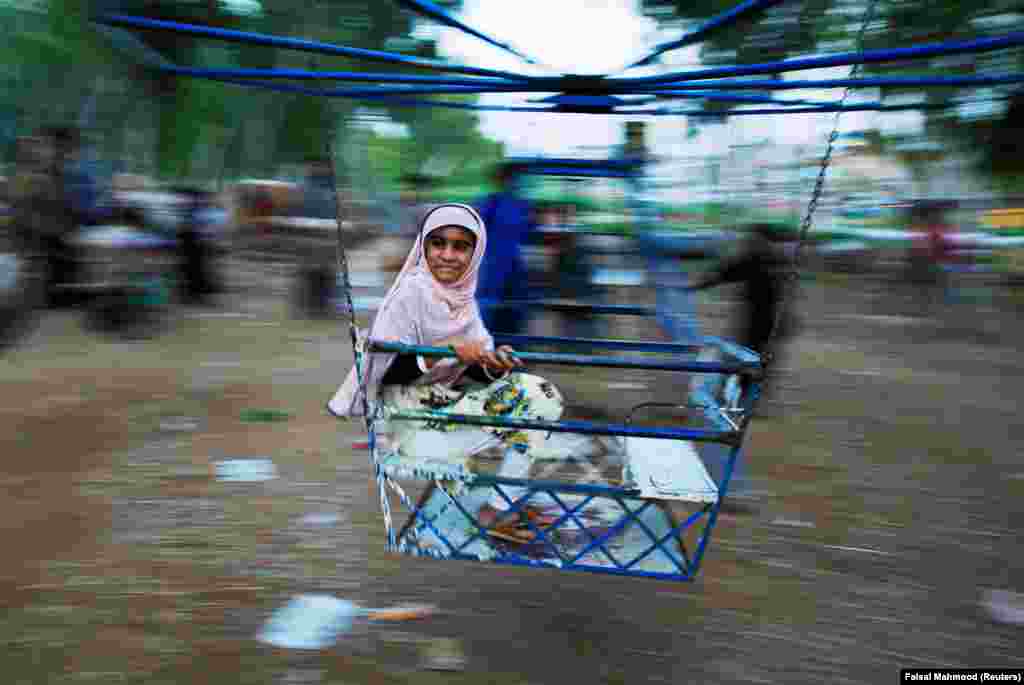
<point x="574" y="275"/>
<point x="317" y="270"/>
<point x="674" y="304"/>
<point x="58" y="197"/>
<point x="674" y="301"/>
<point x="415" y="203"/>
<point x="503" y="274"/>
<point x="761" y="268"/>
<point x="933" y="257"/>
<point x="196" y="249"/>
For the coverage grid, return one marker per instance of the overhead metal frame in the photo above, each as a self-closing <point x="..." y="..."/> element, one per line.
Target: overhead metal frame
<point x="685" y="84"/>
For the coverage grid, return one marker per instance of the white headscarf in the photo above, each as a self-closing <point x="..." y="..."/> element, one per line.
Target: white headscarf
<point x="420" y="310"/>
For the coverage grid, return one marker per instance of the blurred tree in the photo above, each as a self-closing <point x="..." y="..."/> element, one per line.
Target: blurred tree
<point x="989" y="133"/>
<point x="778" y="32"/>
<point x="56" y="63"/>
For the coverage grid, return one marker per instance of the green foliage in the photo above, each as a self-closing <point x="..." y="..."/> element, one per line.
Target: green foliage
<point x="67" y="62"/>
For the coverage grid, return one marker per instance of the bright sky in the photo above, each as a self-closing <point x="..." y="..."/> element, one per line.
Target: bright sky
<point x="602" y="36"/>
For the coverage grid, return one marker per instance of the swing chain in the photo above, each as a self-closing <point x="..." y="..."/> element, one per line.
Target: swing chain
<point x="370" y="418"/>
<point x="826" y="160"/>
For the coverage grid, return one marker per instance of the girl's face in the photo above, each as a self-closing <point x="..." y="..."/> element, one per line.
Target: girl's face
<point x="449" y="250"/>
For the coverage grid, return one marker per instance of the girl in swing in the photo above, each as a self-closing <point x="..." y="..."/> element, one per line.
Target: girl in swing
<point x="432" y="302"/>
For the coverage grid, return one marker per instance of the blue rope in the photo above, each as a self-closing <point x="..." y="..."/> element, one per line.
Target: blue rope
<point x="233" y="36"/>
<point x="701" y="33"/>
<point x="1011" y="40"/>
<point x="429" y="9"/>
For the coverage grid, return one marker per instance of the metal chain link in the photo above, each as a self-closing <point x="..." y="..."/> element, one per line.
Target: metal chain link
<point x="370" y="417"/>
<point x="342" y="261"/>
<point x="819" y="184"/>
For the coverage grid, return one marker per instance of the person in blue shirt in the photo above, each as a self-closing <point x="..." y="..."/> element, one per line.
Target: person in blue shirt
<point x="503" y="275"/>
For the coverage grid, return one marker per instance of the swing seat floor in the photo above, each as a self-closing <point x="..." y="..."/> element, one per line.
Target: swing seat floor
<point x="629" y="506"/>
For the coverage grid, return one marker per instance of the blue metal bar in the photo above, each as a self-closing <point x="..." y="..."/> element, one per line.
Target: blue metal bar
<point x="429" y="9"/>
<point x="673" y="533"/>
<point x="534" y="563"/>
<point x="471" y="84"/>
<point x="481" y="531"/>
<point x="866" y="107"/>
<point x="517" y="506"/>
<point x="429" y="523"/>
<point x="392" y="97"/>
<point x="748" y="402"/>
<point x="390" y="100"/>
<point x="429" y="87"/>
<point x="701" y="33"/>
<point x="698" y="555"/>
<point x="544" y="85"/>
<point x="610" y="86"/>
<point x="866" y="82"/>
<point x="582" y="427"/>
<point x="603" y="85"/>
<point x="1011" y="40"/>
<point x="364" y="94"/>
<point x="586" y="530"/>
<point x="710" y="409"/>
<point x="723" y="96"/>
<point x="739" y="352"/>
<point x="581" y="172"/>
<point x="619" y="526"/>
<point x="582" y="360"/>
<point x="232" y="36"/>
<point x="528" y="163"/>
<point x="596" y="343"/>
<point x="547" y="485"/>
<point x="871" y="107"/>
<point x="567" y="512"/>
<point x="559" y="521"/>
<point x="666" y="112"/>
<point x="415" y="102"/>
<point x="569" y="307"/>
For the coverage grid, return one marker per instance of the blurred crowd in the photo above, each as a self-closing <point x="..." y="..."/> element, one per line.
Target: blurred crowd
<point x="126" y="250"/>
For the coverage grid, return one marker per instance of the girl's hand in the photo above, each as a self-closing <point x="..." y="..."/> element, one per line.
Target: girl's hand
<point x="501" y="360"/>
<point x="469" y="352"/>
<point x="472" y="352"/>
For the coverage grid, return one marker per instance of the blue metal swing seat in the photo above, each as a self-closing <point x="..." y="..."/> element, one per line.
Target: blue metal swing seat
<point x="620" y="499"/>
